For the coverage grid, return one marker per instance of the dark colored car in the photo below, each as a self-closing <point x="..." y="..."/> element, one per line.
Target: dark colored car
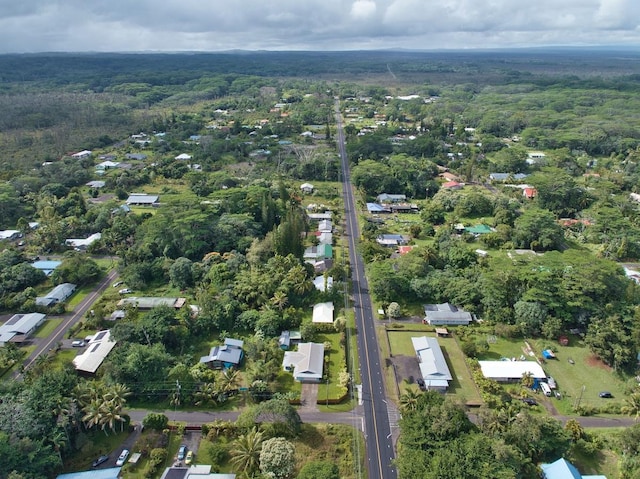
<point x="102" y="459"/>
<point x="605" y="394"/>
<point x="182" y="452"/>
<point x="530" y="401"/>
<point x="420" y="383"/>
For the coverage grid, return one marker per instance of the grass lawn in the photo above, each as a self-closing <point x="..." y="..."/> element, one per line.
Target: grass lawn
<point x="605" y="461"/>
<point x="47" y="327"/>
<point x="62" y="357"/>
<point x="78" y="296"/>
<point x="337" y="362"/>
<point x="462" y="384"/>
<point x="587" y="371"/>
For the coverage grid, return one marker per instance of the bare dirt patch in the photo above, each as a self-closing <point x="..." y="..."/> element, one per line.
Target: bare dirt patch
<point x="406" y="368"/>
<point x="596" y="362"/>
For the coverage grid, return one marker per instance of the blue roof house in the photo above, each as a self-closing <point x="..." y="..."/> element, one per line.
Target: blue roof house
<point x="563" y="469"/>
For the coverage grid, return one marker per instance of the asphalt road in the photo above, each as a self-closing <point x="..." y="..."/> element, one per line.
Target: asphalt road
<point x="69" y="320"/>
<point x="378" y="437"/>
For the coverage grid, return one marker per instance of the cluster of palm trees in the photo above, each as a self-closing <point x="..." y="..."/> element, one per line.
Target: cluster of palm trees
<point x="218" y="390"/>
<point x="102" y="404"/>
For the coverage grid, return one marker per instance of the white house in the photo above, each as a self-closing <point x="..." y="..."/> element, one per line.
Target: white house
<point x="323" y="313"/>
<point x="306" y="188"/>
<point x="506" y="371"/>
<point x="98" y="348"/>
<point x="306" y="363"/>
<point x="82" y="154"/>
<point x="56" y="295"/>
<point x="183" y="157"/>
<point x="323" y="284"/>
<point x="10" y="234"/>
<point x="433" y="366"/>
<point x="81" y="244"/>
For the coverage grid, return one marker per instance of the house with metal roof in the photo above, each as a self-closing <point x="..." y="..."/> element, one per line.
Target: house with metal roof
<point x="508" y="370"/>
<point x="323" y="283"/>
<point x="20" y="326"/>
<point x="322" y="251"/>
<point x="109" y="473"/>
<point x="199" y="471"/>
<point x="47" y="267"/>
<point x="390" y="198"/>
<point x="433" y="366"/>
<point x="563" y="469"/>
<point x="10" y="235"/>
<point x="98" y="348"/>
<point x="306" y="363"/>
<point x="57" y="295"/>
<point x="225" y="356"/>
<point x="136" y="156"/>
<point x="323" y="313"/>
<point x="142" y="199"/>
<point x="150" y="302"/>
<point x="81" y="244"/>
<point x="392" y="240"/>
<point x="374" y="208"/>
<point x="446" y="314"/>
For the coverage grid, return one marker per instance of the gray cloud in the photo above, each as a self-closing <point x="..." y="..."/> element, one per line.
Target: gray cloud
<point x="176" y="25"/>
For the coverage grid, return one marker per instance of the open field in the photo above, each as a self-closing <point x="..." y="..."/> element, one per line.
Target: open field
<point x="586" y="372"/>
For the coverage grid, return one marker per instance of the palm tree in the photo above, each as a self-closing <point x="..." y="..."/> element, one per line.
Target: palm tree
<point x="246" y="451"/>
<point x="93" y="413"/>
<point x="280" y="300"/>
<point x="229" y="379"/>
<point x="117" y="394"/>
<point x="59" y="440"/>
<point x="409" y="400"/>
<point x="110" y="415"/>
<point x="632" y="405"/>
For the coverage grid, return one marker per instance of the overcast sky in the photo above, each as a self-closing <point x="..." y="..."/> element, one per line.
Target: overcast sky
<point x="213" y="25"/>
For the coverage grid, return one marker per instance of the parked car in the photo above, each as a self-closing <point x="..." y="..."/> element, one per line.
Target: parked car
<point x="78" y="343"/>
<point x="117" y="283"/>
<point x="122" y="457"/>
<point x="605" y="394"/>
<point x="125" y="291"/>
<point x="420" y="383"/>
<point x="182" y="452"/>
<point x="102" y="459"/>
<point x="530" y="401"/>
<point x="189" y="459"/>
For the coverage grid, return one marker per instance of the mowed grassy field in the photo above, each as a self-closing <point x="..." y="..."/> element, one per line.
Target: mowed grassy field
<point x="586" y="372"/>
<point x="462" y="385"/>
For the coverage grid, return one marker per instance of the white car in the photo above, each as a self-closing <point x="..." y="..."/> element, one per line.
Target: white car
<point x="125" y="291"/>
<point x="78" y="343"/>
<point x="122" y="457"/>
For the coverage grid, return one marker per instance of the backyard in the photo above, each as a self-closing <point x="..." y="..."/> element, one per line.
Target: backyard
<point x="580" y="375"/>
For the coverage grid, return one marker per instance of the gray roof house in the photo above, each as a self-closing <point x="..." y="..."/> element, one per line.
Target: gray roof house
<point x="57" y="295"/>
<point x="142" y="199"/>
<point x="433" y="366"/>
<point x="228" y="355"/>
<point x="446" y="314"/>
<point x="387" y="198"/>
<point x="391" y="240"/>
<point x="22" y="325"/>
<point x="306" y="363"/>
